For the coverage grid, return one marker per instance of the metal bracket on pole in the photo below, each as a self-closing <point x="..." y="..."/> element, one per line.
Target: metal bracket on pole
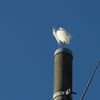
<point x="60" y="93"/>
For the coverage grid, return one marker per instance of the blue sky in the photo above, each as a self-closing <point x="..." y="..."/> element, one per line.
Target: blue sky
<point x="27" y="46"/>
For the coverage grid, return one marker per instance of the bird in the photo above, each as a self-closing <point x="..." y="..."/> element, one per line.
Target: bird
<point x="62" y="36"/>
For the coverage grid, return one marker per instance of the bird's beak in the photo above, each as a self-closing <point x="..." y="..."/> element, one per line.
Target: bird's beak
<point x="53" y="28"/>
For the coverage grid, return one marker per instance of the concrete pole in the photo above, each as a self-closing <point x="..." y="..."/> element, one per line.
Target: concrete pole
<point x="63" y="74"/>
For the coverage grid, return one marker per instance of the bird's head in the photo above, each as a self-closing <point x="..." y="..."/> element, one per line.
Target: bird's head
<point x="54" y="29"/>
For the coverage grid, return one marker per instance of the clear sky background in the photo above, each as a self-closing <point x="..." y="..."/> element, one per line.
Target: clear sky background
<point x="27" y="46"/>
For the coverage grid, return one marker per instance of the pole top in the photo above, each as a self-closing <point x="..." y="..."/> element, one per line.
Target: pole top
<point x="60" y="50"/>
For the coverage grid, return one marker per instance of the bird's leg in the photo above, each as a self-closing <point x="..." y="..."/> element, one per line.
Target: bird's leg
<point x="58" y="45"/>
<point x="64" y="44"/>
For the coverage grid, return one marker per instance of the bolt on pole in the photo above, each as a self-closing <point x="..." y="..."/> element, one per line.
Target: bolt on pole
<point x="63" y="74"/>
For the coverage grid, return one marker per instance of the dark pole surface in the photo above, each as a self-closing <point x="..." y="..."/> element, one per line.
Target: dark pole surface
<point x="63" y="74"/>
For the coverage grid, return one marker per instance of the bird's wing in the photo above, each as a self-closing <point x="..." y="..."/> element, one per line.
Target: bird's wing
<point x="63" y="36"/>
<point x="67" y="38"/>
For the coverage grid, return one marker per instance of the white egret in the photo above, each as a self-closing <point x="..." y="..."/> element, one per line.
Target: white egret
<point x="62" y="36"/>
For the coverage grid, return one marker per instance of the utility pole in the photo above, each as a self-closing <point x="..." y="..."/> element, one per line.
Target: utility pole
<point x="63" y="74"/>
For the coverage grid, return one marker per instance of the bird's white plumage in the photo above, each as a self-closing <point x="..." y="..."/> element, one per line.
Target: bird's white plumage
<point x="61" y="36"/>
<point x="54" y="33"/>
